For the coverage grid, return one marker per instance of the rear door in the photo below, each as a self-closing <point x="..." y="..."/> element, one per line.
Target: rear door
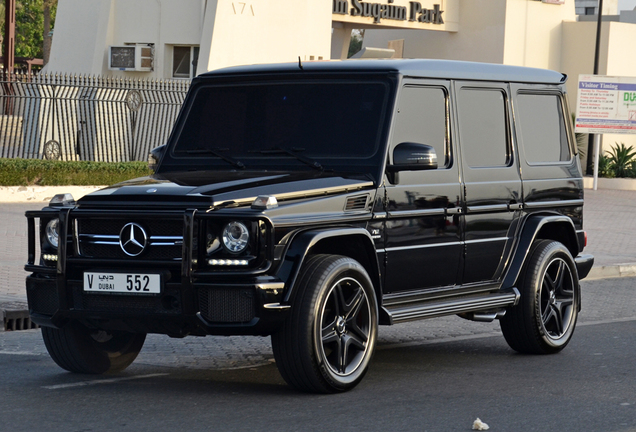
<point x="491" y="178"/>
<point x="550" y="169"/>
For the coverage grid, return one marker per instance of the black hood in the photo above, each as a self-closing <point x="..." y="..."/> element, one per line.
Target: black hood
<point x="209" y="188"/>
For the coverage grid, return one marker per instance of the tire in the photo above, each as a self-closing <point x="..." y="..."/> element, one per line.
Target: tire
<point x="544" y="320"/>
<point x="81" y="350"/>
<point x="327" y="341"/>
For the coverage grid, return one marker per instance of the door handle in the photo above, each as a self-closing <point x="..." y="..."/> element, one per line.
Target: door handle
<point x="515" y="206"/>
<point x="453" y="210"/>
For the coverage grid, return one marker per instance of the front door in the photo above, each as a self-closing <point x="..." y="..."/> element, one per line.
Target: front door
<point x="423" y="245"/>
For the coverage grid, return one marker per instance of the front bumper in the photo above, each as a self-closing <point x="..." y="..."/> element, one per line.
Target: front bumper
<point x="194" y="299"/>
<point x="199" y="309"/>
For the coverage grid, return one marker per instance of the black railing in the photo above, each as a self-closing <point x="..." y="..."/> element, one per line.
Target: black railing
<point x="90" y="118"/>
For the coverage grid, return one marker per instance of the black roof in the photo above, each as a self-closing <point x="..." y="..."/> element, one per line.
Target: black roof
<point x="421" y="68"/>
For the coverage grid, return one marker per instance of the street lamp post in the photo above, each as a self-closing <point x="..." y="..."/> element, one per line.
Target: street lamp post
<point x="594" y="139"/>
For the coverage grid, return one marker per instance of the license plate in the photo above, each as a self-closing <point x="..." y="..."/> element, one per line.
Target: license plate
<point x="123" y="283"/>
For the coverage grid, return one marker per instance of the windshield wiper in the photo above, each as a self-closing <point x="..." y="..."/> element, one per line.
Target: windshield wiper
<point x="217" y="152"/>
<point x="291" y="152"/>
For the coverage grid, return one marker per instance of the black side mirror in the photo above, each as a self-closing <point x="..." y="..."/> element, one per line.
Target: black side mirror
<point x="413" y="156"/>
<point x="155" y="156"/>
<point x="408" y="156"/>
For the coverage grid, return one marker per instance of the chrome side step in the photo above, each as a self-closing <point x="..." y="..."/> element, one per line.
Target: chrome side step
<point x="492" y="304"/>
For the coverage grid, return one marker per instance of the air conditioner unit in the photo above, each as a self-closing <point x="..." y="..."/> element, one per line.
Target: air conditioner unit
<point x="138" y="57"/>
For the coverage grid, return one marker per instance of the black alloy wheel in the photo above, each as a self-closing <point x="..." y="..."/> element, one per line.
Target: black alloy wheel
<point x="327" y="342"/>
<point x="544" y="320"/>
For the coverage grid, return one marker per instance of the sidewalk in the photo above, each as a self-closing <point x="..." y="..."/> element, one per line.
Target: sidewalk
<point x="609" y="220"/>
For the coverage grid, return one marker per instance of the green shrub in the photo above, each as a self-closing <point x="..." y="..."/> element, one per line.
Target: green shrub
<point x="604" y="168"/>
<point x="621" y="159"/>
<point x="37" y="172"/>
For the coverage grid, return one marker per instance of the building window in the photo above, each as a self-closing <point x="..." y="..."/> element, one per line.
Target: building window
<point x="590" y="10"/>
<point x="184" y="61"/>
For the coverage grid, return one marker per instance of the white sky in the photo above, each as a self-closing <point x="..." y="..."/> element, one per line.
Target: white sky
<point x="626" y="4"/>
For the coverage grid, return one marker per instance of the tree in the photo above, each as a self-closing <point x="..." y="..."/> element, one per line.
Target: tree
<point x="355" y="45"/>
<point x="31" y="30"/>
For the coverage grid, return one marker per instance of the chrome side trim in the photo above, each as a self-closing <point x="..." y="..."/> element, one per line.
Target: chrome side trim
<point x="297" y="220"/>
<point x="487" y="240"/>
<point x="305" y="194"/>
<point x="487" y="208"/>
<point x="416" y="213"/>
<point x="552" y="204"/>
<point x="398" y="248"/>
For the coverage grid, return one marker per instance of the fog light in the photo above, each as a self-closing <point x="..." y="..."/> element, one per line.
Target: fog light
<point x="227" y="262"/>
<point x="49" y="257"/>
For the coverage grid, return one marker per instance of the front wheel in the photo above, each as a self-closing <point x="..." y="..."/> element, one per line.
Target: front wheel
<point x="79" y="349"/>
<point x="543" y="322"/>
<point x="327" y="342"/>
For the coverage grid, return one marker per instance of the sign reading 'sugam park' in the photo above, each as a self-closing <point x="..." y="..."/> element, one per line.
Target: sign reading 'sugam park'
<point x="430" y="15"/>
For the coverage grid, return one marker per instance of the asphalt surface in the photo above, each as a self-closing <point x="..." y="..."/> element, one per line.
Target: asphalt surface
<point x="431" y="375"/>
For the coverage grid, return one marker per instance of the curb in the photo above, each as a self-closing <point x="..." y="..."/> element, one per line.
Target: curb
<point x="15" y="316"/>
<point x="612" y="271"/>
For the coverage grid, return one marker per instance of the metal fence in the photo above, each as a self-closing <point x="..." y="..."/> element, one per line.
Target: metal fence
<point x="90" y="118"/>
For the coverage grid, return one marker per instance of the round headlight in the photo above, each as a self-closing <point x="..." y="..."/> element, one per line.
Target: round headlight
<point x="52" y="232"/>
<point x="235" y="237"/>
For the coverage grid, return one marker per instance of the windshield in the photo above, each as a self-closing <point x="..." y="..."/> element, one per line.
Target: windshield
<point x="300" y="124"/>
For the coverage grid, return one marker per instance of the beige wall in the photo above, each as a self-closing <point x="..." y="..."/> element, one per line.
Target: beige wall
<point x="516" y="32"/>
<point x="81" y="32"/>
<point x="265" y="32"/>
<point x="533" y="33"/>
<point x="480" y="36"/>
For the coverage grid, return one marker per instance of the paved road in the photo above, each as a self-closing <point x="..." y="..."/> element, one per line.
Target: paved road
<point x="433" y="375"/>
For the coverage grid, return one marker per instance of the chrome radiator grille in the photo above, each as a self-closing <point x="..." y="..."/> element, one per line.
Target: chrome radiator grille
<point x="99" y="237"/>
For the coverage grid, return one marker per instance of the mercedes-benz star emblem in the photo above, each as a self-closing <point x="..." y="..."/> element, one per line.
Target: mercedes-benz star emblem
<point x="133" y="239"/>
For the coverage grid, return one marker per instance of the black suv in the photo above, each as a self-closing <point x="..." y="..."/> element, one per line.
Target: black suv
<point x="313" y="202"/>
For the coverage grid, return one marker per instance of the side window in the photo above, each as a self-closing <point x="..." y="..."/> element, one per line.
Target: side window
<point x="482" y="127"/>
<point x="542" y="124"/>
<point x="422" y="118"/>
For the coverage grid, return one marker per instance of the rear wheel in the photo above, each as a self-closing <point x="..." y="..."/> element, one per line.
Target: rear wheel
<point x="544" y="320"/>
<point x="79" y="349"/>
<point x="327" y="342"/>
